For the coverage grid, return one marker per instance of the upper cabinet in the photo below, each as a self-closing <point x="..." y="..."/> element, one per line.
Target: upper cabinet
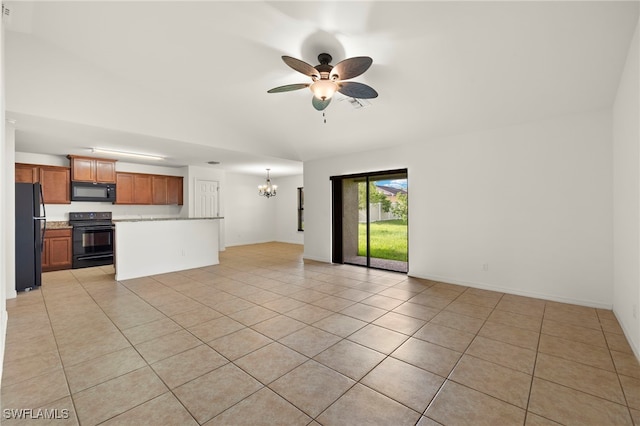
<point x="55" y="181"/>
<point x="159" y="189"/>
<point x="27" y="173"/>
<point x="174" y="190"/>
<point x="56" y="185"/>
<point x="140" y="188"/>
<point x="87" y="169"/>
<point x="131" y="188"/>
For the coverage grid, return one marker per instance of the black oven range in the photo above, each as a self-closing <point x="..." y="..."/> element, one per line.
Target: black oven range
<point x="92" y="239"/>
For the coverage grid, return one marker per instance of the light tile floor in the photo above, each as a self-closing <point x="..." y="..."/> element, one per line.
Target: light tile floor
<point x="265" y="338"/>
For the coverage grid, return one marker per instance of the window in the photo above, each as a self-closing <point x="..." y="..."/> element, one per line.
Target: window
<point x="300" y="209"/>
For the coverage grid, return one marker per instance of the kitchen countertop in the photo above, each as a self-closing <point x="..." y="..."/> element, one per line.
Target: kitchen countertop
<point x="155" y="219"/>
<point x="58" y="225"/>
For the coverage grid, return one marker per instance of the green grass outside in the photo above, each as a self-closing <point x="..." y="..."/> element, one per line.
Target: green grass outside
<point x="388" y="240"/>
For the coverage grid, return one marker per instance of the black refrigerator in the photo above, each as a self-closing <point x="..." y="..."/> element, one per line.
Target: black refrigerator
<point x="31" y="224"/>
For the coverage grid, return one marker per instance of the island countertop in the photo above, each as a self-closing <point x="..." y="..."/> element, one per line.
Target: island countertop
<point x="154" y="219"/>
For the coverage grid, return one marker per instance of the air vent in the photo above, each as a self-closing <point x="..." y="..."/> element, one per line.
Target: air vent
<point x="213" y="162"/>
<point x="357" y="103"/>
<point x="6" y="14"/>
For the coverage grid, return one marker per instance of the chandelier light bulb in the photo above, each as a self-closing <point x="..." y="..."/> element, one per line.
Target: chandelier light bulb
<point x="267" y="190"/>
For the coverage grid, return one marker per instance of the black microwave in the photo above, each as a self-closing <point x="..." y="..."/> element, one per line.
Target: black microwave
<point x="88" y="191"/>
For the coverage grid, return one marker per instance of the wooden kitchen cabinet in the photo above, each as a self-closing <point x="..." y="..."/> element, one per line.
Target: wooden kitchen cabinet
<point x="124" y="188"/>
<point x="56" y="253"/>
<point x="56" y="184"/>
<point x="142" y="193"/>
<point x="133" y="188"/>
<point x="27" y="173"/>
<point x="140" y="188"/>
<point x="105" y="171"/>
<point x="55" y="181"/>
<point x="174" y="190"/>
<point x="158" y="189"/>
<point x="87" y="169"/>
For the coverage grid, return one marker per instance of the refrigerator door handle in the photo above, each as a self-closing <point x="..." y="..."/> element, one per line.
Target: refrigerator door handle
<point x="43" y="217"/>
<point x="44" y="211"/>
<point x="43" y="230"/>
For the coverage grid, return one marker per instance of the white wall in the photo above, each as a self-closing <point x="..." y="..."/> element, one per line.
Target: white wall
<point x="532" y="201"/>
<point x="287" y="210"/>
<point x="626" y="197"/>
<point x="5" y="206"/>
<point x="9" y="191"/>
<point x="249" y="218"/>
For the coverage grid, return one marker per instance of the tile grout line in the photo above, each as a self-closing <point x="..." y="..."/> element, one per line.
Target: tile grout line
<point x="139" y="354"/>
<point x="535" y="362"/>
<point x="322" y="280"/>
<point x="624" y="394"/>
<point x="440" y="389"/>
<point x="64" y="370"/>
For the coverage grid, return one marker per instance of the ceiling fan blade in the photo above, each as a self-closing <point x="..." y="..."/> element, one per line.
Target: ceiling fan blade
<point x="288" y="88"/>
<point x="301" y="66"/>
<point x="319" y="104"/>
<point x="357" y="90"/>
<point x="351" y="67"/>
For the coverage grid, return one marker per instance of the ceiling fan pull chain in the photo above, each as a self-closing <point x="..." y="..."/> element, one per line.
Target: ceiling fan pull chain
<point x="324" y="118"/>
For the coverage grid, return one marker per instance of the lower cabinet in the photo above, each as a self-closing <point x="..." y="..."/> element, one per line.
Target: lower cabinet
<point x="56" y="253"/>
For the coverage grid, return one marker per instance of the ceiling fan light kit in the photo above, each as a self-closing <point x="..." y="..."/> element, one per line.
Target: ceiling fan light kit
<point x="328" y="79"/>
<point x="323" y="89"/>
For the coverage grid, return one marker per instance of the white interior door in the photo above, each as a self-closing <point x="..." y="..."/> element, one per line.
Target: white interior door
<point x="206" y="198"/>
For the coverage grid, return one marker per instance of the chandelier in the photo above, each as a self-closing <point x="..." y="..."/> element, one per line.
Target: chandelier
<point x="267" y="190"/>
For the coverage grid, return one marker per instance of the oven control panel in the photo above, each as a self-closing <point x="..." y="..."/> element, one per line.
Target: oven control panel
<point x="77" y="216"/>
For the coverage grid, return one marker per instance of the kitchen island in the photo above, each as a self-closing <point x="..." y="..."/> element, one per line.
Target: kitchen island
<point x="146" y="247"/>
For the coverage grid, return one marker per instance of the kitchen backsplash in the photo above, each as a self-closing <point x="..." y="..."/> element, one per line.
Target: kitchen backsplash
<point x="60" y="212"/>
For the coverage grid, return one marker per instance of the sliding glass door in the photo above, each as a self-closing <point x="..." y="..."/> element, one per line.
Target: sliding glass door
<point x="370" y="220"/>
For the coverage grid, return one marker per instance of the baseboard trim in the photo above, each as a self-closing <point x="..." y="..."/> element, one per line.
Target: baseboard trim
<point x="316" y="259"/>
<point x="634" y="347"/>
<point x="12" y="293"/>
<point x="4" y="317"/>
<point x="484" y="286"/>
<point x="264" y="242"/>
<point x="248" y="243"/>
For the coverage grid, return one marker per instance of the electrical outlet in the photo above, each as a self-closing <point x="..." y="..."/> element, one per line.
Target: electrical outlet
<point x="485" y="267"/>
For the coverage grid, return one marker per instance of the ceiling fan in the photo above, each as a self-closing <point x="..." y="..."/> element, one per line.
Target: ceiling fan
<point x="328" y="79"/>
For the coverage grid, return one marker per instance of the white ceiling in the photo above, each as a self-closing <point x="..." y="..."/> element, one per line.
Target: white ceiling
<point x="189" y="80"/>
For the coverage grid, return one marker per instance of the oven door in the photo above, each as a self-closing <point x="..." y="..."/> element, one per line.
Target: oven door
<point x="92" y="246"/>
